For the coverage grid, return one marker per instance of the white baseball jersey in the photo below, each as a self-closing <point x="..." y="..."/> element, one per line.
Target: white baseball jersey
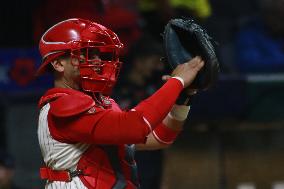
<point x="58" y="155"/>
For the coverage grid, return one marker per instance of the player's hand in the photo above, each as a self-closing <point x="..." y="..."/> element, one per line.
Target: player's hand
<point x="188" y="70"/>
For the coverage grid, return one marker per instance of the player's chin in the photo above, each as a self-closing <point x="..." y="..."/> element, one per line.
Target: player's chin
<point x="76" y="77"/>
<point x="76" y="73"/>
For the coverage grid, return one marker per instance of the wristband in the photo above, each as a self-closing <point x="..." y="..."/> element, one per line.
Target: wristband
<point x="165" y="135"/>
<point x="179" y="112"/>
<point x="180" y="79"/>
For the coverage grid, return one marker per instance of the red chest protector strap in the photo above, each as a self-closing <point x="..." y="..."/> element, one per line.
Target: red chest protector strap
<point x="54" y="175"/>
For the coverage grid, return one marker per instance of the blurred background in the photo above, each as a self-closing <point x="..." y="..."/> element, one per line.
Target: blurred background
<point x="234" y="137"/>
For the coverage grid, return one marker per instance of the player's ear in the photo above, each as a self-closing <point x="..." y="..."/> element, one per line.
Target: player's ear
<point x="57" y="65"/>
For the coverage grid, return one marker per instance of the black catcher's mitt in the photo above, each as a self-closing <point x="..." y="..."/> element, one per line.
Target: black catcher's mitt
<point x="183" y="40"/>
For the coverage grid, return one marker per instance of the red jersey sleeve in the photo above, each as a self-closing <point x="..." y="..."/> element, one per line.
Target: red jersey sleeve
<point x="101" y="127"/>
<point x="155" y="108"/>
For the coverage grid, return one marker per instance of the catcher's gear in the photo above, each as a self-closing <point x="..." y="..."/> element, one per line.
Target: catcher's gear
<point x="183" y="40"/>
<point x="66" y="102"/>
<point x="95" y="46"/>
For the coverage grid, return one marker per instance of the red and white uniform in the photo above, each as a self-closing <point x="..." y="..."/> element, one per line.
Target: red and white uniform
<point x="75" y="133"/>
<point x="58" y="155"/>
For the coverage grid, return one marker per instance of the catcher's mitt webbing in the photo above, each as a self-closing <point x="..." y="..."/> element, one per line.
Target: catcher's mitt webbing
<point x="183" y="40"/>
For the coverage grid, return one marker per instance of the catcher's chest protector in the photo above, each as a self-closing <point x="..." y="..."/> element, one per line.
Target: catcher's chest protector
<point x="107" y="167"/>
<point x="103" y="166"/>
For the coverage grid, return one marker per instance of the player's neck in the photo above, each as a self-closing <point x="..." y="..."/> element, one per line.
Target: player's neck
<point x="62" y="83"/>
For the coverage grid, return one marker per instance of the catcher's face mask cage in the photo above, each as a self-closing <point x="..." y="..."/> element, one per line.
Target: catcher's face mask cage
<point x="99" y="65"/>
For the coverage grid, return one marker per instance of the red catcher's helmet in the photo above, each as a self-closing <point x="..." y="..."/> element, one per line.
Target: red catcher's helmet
<point x="85" y="40"/>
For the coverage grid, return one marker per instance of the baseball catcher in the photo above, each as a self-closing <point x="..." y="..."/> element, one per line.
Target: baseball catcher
<point x="86" y="140"/>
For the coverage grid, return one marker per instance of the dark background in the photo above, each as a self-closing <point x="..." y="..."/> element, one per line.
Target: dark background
<point x="234" y="135"/>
